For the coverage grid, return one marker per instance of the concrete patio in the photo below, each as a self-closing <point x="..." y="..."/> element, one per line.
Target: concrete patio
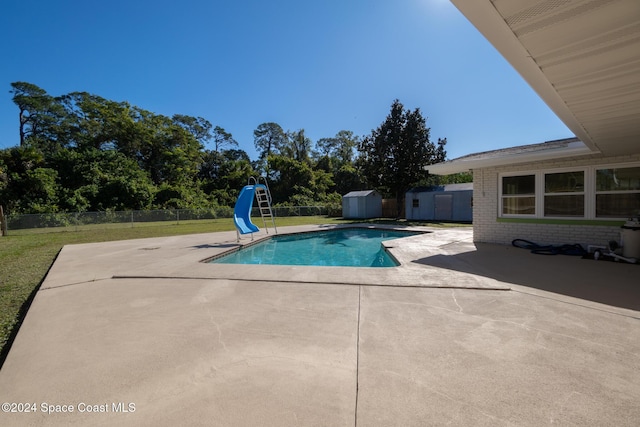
<point x="142" y="333"/>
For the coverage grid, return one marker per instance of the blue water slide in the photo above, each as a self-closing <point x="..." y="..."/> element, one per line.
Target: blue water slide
<point x="242" y="210"/>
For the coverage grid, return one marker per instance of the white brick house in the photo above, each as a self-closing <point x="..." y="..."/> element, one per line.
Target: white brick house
<point x="549" y="194"/>
<point x="583" y="59"/>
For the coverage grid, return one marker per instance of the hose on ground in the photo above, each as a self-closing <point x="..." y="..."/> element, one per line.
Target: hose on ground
<point x="566" y="249"/>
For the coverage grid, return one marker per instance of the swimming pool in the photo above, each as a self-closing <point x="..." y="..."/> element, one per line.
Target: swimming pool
<point x="348" y="247"/>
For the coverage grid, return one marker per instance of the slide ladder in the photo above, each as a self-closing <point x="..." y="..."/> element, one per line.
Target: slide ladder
<point x="263" y="197"/>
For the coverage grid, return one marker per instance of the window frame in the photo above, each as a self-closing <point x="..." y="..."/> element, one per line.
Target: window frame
<point x="595" y="187"/>
<point x="589" y="191"/>
<point x="502" y="196"/>
<point x="545" y="194"/>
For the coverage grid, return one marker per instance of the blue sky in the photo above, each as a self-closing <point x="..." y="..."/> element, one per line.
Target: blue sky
<point x="322" y="66"/>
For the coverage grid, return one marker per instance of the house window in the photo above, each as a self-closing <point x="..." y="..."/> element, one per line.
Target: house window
<point x="618" y="192"/>
<point x="564" y="194"/>
<point x="595" y="192"/>
<point x="416" y="203"/>
<point x="519" y="195"/>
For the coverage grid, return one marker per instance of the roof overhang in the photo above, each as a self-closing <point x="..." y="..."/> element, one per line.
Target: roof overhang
<point x="582" y="57"/>
<point x="512" y="156"/>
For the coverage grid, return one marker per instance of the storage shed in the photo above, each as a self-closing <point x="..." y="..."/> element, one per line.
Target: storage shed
<point x="450" y="202"/>
<point x="362" y="204"/>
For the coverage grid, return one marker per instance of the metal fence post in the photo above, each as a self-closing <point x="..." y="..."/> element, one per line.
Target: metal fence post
<point x="3" y="223"/>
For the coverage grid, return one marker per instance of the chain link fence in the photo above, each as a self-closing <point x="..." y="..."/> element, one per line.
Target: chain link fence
<point x="75" y="221"/>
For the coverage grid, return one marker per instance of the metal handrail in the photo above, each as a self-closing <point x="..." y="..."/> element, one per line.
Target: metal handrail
<point x="266" y="184"/>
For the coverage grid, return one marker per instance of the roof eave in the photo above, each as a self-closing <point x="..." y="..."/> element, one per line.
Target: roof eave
<point x="465" y="165"/>
<point x="483" y="15"/>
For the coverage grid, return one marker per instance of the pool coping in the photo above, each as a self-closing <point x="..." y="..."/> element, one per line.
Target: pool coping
<point x="410" y="273"/>
<point x="351" y="227"/>
<point x="180" y="257"/>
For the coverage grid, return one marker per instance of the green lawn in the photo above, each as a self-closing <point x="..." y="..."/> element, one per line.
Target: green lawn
<point x="26" y="257"/>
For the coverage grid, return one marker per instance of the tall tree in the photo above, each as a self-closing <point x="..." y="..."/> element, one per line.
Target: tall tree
<point x="224" y="174"/>
<point x="89" y="135"/>
<point x="347" y="143"/>
<point x="337" y="158"/>
<point x="222" y="138"/>
<point x="39" y="114"/>
<point x="298" y="146"/>
<point x="288" y="177"/>
<point x="90" y="121"/>
<point x="393" y="157"/>
<point x="199" y="127"/>
<point x="325" y="146"/>
<point x="268" y="138"/>
<point x="340" y="146"/>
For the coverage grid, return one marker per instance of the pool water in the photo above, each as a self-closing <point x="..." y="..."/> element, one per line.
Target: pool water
<point x="351" y="247"/>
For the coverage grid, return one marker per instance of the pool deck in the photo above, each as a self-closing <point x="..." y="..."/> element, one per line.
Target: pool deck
<point x="459" y="334"/>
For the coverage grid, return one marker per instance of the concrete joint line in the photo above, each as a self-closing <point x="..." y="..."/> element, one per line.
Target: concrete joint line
<point x="281" y="281"/>
<point x="75" y="283"/>
<point x="355" y="415"/>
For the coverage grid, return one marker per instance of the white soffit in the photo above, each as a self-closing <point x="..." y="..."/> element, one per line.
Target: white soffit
<point x="582" y="57"/>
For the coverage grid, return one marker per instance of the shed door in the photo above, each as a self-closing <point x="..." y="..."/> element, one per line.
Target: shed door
<point x="443" y="207"/>
<point x="353" y="207"/>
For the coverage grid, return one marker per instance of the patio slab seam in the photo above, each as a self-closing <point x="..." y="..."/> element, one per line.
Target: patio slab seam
<point x="314" y="282"/>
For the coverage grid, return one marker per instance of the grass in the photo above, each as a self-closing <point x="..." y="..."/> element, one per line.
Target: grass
<point x="26" y="257"/>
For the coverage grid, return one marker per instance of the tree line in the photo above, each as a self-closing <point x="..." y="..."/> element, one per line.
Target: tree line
<point x="80" y="152"/>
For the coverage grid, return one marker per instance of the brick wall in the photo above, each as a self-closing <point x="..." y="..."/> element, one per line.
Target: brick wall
<point x="487" y="229"/>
